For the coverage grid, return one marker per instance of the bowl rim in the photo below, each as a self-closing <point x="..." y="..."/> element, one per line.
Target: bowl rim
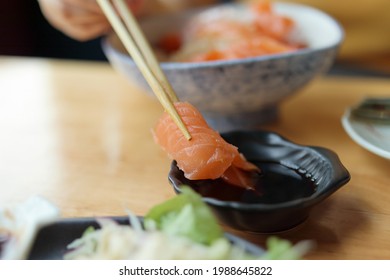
<point x="340" y="176"/>
<point x="167" y="65"/>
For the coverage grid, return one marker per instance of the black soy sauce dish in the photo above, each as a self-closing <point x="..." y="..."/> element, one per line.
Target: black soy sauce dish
<point x="293" y="180"/>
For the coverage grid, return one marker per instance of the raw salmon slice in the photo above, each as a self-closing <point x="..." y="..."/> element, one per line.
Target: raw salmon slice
<point x="229" y="32"/>
<point x="207" y="155"/>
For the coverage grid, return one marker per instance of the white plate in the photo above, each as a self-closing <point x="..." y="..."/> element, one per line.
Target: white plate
<point x="374" y="137"/>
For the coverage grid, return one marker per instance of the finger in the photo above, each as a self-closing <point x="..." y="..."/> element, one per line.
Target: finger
<point x="92" y="6"/>
<point x="76" y="23"/>
<point x="76" y="16"/>
<point x="137" y="6"/>
<point x="87" y="5"/>
<point x="80" y="28"/>
<point x="84" y="32"/>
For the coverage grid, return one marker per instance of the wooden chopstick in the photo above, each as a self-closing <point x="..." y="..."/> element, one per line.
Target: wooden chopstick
<point x="144" y="46"/>
<point x="139" y="49"/>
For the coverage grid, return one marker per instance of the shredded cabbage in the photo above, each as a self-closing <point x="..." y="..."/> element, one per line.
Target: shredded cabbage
<point x="180" y="228"/>
<point x="19" y="225"/>
<point x="115" y="241"/>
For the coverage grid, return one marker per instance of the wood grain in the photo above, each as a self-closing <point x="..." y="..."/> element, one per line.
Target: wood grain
<point x="79" y="134"/>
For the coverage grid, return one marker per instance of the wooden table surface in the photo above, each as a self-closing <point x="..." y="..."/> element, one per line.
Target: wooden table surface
<point x="79" y="134"/>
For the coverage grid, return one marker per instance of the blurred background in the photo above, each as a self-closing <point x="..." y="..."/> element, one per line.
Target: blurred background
<point x="24" y="31"/>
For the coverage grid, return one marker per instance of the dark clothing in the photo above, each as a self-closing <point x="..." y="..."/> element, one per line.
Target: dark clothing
<point x="24" y="31"/>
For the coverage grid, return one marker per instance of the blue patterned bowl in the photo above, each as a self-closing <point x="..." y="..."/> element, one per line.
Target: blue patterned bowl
<point x="241" y="93"/>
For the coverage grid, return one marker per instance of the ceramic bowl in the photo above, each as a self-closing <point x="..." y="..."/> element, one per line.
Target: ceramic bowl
<point x="241" y="93"/>
<point x="288" y="205"/>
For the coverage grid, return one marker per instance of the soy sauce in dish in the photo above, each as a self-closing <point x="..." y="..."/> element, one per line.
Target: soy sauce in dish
<point x="275" y="184"/>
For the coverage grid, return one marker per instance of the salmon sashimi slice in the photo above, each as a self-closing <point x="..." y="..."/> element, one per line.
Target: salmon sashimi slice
<point x="252" y="47"/>
<point x="207" y="155"/>
<point x="235" y="32"/>
<point x="269" y="22"/>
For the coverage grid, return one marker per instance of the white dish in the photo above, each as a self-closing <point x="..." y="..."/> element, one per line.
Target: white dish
<point x="375" y="137"/>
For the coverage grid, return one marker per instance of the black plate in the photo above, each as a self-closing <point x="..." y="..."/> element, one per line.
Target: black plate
<point x="52" y="239"/>
<point x="318" y="164"/>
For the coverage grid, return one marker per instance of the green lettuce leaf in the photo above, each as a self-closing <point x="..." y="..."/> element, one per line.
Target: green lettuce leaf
<point x="281" y="249"/>
<point x="185" y="215"/>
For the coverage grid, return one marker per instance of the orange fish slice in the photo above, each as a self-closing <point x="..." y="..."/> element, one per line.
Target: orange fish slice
<point x="207" y="155"/>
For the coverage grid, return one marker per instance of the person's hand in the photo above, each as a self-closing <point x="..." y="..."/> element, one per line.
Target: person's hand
<point x="84" y="20"/>
<point x="80" y="19"/>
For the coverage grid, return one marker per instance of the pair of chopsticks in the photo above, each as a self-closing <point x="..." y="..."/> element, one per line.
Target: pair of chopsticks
<point x="126" y="27"/>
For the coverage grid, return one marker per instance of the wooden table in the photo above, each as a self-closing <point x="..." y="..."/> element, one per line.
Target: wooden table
<point x="79" y="135"/>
